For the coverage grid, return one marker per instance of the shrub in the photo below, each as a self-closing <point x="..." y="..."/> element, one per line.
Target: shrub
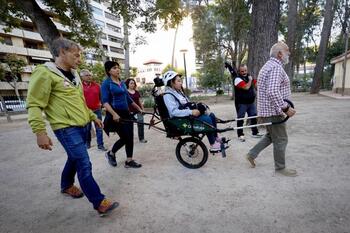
<point x="219" y="92"/>
<point x="148" y="102"/>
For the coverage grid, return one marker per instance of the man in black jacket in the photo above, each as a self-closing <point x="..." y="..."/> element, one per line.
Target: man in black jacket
<point x="244" y="100"/>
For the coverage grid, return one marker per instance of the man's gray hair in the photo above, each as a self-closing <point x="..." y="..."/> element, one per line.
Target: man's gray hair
<point x="278" y="47"/>
<point x="65" y="44"/>
<point x="84" y="72"/>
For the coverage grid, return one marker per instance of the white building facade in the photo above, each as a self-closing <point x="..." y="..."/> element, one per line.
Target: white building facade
<point x="148" y="72"/>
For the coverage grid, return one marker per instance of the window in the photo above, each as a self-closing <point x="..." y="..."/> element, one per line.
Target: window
<point x="30" y="45"/>
<point x="105" y="47"/>
<point x="115" y="39"/>
<point x="103" y="36"/>
<point x="96" y="10"/>
<point x="114" y="28"/>
<point x="99" y="23"/>
<point x="112" y="17"/>
<point x="116" y="50"/>
<point x="6" y="40"/>
<point x="27" y="28"/>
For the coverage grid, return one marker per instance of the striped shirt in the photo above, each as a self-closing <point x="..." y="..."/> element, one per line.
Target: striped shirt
<point x="273" y="87"/>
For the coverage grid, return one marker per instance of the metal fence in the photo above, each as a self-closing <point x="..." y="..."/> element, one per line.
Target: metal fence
<point x="11" y="105"/>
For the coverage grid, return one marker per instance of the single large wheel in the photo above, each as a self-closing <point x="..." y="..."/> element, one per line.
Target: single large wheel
<point x="191" y="152"/>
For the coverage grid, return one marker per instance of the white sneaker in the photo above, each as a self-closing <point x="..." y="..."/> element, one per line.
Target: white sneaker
<point x="258" y="135"/>
<point x="241" y="138"/>
<point x="215" y="147"/>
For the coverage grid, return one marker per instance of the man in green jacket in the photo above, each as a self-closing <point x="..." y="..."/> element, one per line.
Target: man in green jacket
<point x="56" y="89"/>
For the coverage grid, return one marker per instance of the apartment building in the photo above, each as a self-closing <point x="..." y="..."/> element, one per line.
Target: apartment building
<point x="27" y="43"/>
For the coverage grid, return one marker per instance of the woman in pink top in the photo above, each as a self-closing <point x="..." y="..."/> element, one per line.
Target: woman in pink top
<point x="136" y="97"/>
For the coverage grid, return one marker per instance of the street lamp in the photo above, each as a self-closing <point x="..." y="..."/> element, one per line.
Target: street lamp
<point x="184" y="54"/>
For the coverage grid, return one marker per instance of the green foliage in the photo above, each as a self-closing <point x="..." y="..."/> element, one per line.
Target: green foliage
<point x="219" y="92"/>
<point x="133" y="72"/>
<point x="145" y="90"/>
<point x="177" y="70"/>
<point x="14" y="65"/>
<point x="187" y="92"/>
<point x="148" y="102"/>
<point x="170" y="13"/>
<point x="97" y="70"/>
<point x="336" y="48"/>
<point x="2" y="72"/>
<point x="75" y="14"/>
<point x="212" y="75"/>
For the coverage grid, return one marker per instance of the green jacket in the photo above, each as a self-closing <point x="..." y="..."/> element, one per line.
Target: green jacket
<point x="62" y="102"/>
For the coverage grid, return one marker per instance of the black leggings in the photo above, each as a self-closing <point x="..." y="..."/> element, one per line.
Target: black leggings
<point x="125" y="130"/>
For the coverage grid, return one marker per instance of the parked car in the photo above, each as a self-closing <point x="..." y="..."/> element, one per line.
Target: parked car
<point x="13" y="105"/>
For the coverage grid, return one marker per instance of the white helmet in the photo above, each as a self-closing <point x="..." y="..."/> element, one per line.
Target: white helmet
<point x="169" y="75"/>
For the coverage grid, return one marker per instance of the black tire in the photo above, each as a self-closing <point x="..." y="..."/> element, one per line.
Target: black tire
<point x="191" y="158"/>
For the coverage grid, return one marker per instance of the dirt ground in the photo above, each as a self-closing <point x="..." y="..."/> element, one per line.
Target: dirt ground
<point x="163" y="196"/>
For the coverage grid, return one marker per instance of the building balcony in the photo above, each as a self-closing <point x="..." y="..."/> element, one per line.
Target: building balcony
<point x="14" y="32"/>
<point x="13" y="49"/>
<point x="39" y="53"/>
<point x="32" y="35"/>
<point x="116" y="55"/>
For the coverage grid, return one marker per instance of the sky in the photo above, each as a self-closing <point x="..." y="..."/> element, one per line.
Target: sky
<point x="160" y="46"/>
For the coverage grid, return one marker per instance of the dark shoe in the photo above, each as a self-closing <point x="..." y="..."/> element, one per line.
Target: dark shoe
<point x="132" y="164"/>
<point x="287" y="172"/>
<point x="143" y="141"/>
<point x="106" y="207"/>
<point x="111" y="159"/>
<point x="73" y="191"/>
<point x="102" y="148"/>
<point x="251" y="161"/>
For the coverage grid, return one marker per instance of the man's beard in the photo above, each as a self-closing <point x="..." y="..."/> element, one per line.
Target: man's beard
<point x="285" y="59"/>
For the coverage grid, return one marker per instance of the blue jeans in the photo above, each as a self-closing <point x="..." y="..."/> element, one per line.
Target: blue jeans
<point x="210" y="119"/>
<point x="250" y="109"/>
<point x="99" y="132"/>
<point x="73" y="140"/>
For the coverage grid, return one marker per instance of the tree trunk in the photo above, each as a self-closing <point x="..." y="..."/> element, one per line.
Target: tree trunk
<point x="291" y="36"/>
<point x="42" y="22"/>
<point x="263" y="33"/>
<point x="320" y="59"/>
<point x="126" y="49"/>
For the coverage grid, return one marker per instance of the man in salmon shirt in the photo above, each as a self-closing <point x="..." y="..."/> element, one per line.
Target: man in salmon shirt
<point x="92" y="96"/>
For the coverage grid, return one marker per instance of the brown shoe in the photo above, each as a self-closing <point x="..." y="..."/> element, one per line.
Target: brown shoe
<point x="73" y="191"/>
<point x="287" y="172"/>
<point x="251" y="161"/>
<point x="106" y="207"/>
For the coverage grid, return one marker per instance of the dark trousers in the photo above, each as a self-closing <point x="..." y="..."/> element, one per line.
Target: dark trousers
<point x="250" y="109"/>
<point x="99" y="131"/>
<point x="125" y="130"/>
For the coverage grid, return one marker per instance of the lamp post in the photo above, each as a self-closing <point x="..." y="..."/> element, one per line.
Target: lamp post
<point x="184" y="54"/>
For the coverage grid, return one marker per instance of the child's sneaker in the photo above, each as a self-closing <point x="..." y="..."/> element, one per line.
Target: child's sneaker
<point x="215" y="147"/>
<point x="106" y="207"/>
<point x="73" y="191"/>
<point x="258" y="135"/>
<point x="241" y="138"/>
